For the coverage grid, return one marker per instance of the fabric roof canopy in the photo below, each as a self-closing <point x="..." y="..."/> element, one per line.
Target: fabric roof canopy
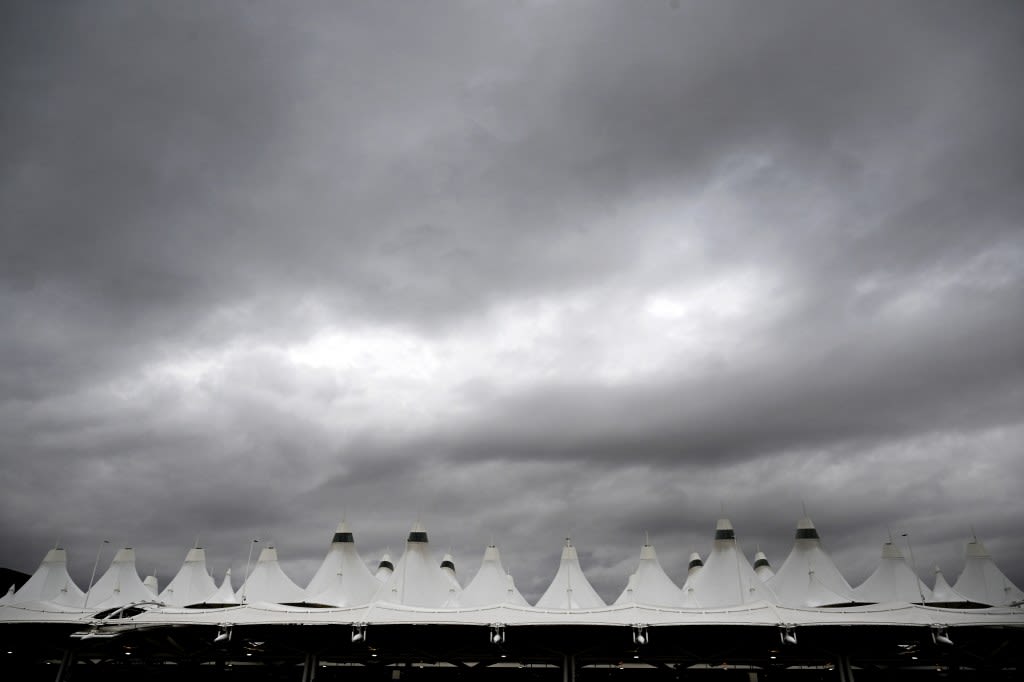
<point x="491" y="585"/>
<point x="727" y="578"/>
<point x="51" y="582"/>
<point x="225" y="594"/>
<point x="192" y="584"/>
<point x="762" y="567"/>
<point x="649" y="584"/>
<point x="268" y="582"/>
<point x="343" y="578"/>
<point x="570" y="588"/>
<point x="981" y="580"/>
<point x="893" y="581"/>
<point x="808" y="576"/>
<point x="120" y="584"/>
<point x="417" y="580"/>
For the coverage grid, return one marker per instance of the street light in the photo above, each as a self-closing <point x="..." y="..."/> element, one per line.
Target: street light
<point x="913" y="565"/>
<point x="248" y="562"/>
<point x="93" y="576"/>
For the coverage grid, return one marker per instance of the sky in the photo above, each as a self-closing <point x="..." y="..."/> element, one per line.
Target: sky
<point x="519" y="270"/>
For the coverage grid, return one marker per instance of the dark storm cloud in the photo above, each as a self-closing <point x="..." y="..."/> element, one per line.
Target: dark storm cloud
<point x="587" y="269"/>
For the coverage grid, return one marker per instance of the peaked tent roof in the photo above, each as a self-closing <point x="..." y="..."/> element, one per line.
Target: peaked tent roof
<point x="981" y="580"/>
<point x="8" y="596"/>
<point x="762" y="567"/>
<point x="892" y="581"/>
<point x="385" y="568"/>
<point x="808" y="576"/>
<point x="225" y="594"/>
<point x="570" y="588"/>
<point x="727" y="578"/>
<point x="448" y="568"/>
<point x="119" y="585"/>
<point x="153" y="583"/>
<point x="51" y="582"/>
<point x="491" y="585"/>
<point x="269" y="583"/>
<point x="343" y="578"/>
<point x="942" y="593"/>
<point x="417" y="580"/>
<point x="192" y="584"/>
<point x="649" y="584"/>
<point x="696" y="563"/>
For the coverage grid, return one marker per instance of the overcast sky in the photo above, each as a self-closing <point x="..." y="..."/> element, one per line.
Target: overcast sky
<point x="522" y="270"/>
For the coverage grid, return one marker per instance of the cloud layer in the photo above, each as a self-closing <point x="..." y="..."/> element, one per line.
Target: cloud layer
<point x="522" y="270"/>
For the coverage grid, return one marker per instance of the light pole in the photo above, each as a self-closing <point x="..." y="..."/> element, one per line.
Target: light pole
<point x="248" y="562"/>
<point x="92" y="577"/>
<point x="913" y="565"/>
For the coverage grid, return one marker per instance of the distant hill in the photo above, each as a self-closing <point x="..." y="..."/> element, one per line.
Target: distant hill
<point x="10" y="577"/>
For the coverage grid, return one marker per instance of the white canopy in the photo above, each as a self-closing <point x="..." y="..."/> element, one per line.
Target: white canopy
<point x="268" y="582"/>
<point x="696" y="563"/>
<point x="192" y="584"/>
<point x="893" y="581"/>
<point x="225" y="594"/>
<point x="448" y="568"/>
<point x="942" y="593"/>
<point x="762" y="567"/>
<point x="570" y="589"/>
<point x="491" y="585"/>
<point x="51" y="582"/>
<point x="417" y="580"/>
<point x="120" y="584"/>
<point x="151" y="582"/>
<point x="8" y="596"/>
<point x="727" y="578"/>
<point x="982" y="581"/>
<point x="809" y="577"/>
<point x="342" y="579"/>
<point x="385" y="568"/>
<point x="649" y="584"/>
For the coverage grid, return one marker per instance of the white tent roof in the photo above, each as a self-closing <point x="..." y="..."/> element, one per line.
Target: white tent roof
<point x="225" y="594"/>
<point x="51" y="582"/>
<point x="417" y="580"/>
<point x="762" y="567"/>
<point x="893" y="581"/>
<point x="727" y="578"/>
<point x="491" y="585"/>
<point x="570" y="589"/>
<point x="385" y="568"/>
<point x="153" y="583"/>
<point x="808" y="576"/>
<point x="982" y="581"/>
<point x="448" y="568"/>
<point x="192" y="584"/>
<point x="120" y="584"/>
<point x="343" y="578"/>
<point x="649" y="584"/>
<point x="268" y="582"/>
<point x="692" y="569"/>
<point x="8" y="596"/>
<point x="696" y="563"/>
<point x="942" y="593"/>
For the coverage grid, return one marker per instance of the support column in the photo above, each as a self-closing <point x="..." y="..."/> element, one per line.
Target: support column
<point x="845" y="669"/>
<point x="66" y="663"/>
<point x="569" y="668"/>
<point x="309" y="668"/>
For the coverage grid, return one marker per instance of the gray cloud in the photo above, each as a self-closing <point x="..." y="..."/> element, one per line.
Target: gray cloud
<point x="527" y="271"/>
